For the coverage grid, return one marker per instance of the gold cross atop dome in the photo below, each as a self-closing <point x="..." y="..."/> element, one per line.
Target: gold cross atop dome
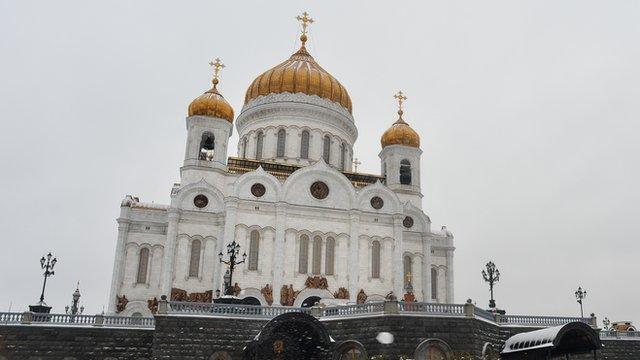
<point x="401" y="98"/>
<point x="217" y="66"/>
<point x="305" y="21"/>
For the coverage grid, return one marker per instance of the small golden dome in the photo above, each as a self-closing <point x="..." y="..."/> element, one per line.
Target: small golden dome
<point x="400" y="133"/>
<point x="211" y="104"/>
<point x="299" y="74"/>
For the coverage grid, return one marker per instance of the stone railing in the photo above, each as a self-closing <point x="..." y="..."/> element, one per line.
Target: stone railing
<point x="353" y="310"/>
<point x="231" y="310"/>
<point x="528" y="320"/>
<point x="432" y="308"/>
<point x="27" y="318"/>
<point x="625" y="335"/>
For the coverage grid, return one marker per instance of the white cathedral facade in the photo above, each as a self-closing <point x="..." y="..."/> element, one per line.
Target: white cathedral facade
<point x="312" y="228"/>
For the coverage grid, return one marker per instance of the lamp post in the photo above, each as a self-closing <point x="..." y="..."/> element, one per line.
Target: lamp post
<point x="233" y="249"/>
<point x="580" y="295"/>
<point x="47" y="263"/>
<point x="74" y="309"/>
<point x="492" y="276"/>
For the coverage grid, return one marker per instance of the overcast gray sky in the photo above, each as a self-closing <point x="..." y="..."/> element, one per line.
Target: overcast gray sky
<point x="528" y="113"/>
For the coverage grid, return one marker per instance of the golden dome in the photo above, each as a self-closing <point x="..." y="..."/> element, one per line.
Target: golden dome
<point x="299" y="74"/>
<point x="211" y="104"/>
<point x="400" y="133"/>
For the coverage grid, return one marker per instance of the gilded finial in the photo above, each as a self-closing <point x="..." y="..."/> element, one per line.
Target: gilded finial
<point x="401" y="98"/>
<point x="217" y="66"/>
<point x="305" y="21"/>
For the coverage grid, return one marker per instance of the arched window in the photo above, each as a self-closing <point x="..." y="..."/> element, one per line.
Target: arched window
<point x="244" y="147"/>
<point x="384" y="170"/>
<point x="304" y="145"/>
<point x="259" y="141"/>
<point x="375" y="259"/>
<point x="326" y="148"/>
<point x="343" y="155"/>
<point x="304" y="254"/>
<point x="317" y="255"/>
<point x="194" y="261"/>
<point x="432" y="350"/>
<point x="282" y="138"/>
<point x="329" y="256"/>
<point x="408" y="273"/>
<point x="405" y="172"/>
<point x="207" y="144"/>
<point x="254" y="249"/>
<point x="143" y="264"/>
<point x="434" y="283"/>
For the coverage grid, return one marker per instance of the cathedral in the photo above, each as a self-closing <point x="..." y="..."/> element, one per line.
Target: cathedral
<point x="308" y="227"/>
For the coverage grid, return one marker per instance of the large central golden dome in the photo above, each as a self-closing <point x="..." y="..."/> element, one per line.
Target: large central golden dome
<point x="299" y="74"/>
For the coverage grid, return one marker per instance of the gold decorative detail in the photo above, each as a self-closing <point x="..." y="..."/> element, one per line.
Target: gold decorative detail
<point x="300" y="74"/>
<point x="316" y="282"/>
<point x="400" y="133"/>
<point x="212" y="103"/>
<point x="342" y="293"/>
<point x="182" y="295"/>
<point x="362" y="297"/>
<point x="278" y="347"/>
<point x="267" y="292"/>
<point x="121" y="303"/>
<point x="152" y="304"/>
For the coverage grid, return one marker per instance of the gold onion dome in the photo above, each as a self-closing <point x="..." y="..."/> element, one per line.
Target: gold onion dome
<point x="212" y="103"/>
<point x="300" y="74"/>
<point x="400" y="133"/>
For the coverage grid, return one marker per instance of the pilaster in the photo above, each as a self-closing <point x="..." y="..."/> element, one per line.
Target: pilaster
<point x="353" y="267"/>
<point x="173" y="216"/>
<point x="426" y="270"/>
<point x="227" y="235"/>
<point x="118" y="263"/>
<point x="278" y="249"/>
<point x="398" y="276"/>
<point x="449" y="276"/>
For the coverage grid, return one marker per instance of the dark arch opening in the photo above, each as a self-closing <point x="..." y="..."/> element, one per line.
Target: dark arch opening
<point x="207" y="146"/>
<point x="250" y="300"/>
<point x="405" y="172"/>
<point x="310" y="301"/>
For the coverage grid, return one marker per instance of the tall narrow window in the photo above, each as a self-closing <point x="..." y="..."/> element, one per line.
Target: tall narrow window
<point x="143" y="265"/>
<point x="282" y="138"/>
<point x="194" y="261"/>
<point x="329" y="256"/>
<point x="408" y="274"/>
<point x="343" y="155"/>
<point x="375" y="260"/>
<point x="434" y="283"/>
<point x="207" y="144"/>
<point x="254" y="249"/>
<point x="304" y="145"/>
<point x="326" y="149"/>
<point x="405" y="172"/>
<point x="384" y="170"/>
<point x="259" y="141"/>
<point x="304" y="254"/>
<point x="317" y="255"/>
<point x="244" y="147"/>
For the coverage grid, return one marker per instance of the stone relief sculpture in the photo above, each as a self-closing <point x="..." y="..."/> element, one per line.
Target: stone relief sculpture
<point x="152" y="304"/>
<point x="362" y="297"/>
<point x="121" y="303"/>
<point x="236" y="289"/>
<point x="342" y="293"/>
<point x="267" y="292"/>
<point x="287" y="295"/>
<point x="316" y="282"/>
<point x="182" y="295"/>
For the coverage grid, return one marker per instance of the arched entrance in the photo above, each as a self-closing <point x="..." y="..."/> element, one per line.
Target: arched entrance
<point x="291" y="336"/>
<point x="250" y="300"/>
<point x="310" y="301"/>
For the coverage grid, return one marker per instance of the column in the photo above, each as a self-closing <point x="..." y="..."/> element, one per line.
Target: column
<point x="227" y="235"/>
<point x="278" y="250"/>
<point x="353" y="267"/>
<point x="173" y="216"/>
<point x="398" y="276"/>
<point x="118" y="263"/>
<point x="426" y="270"/>
<point x="449" y="276"/>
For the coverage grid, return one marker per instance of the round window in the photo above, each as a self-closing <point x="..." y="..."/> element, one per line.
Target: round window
<point x="408" y="222"/>
<point x="200" y="201"/>
<point x="377" y="202"/>
<point x="258" y="190"/>
<point x="319" y="190"/>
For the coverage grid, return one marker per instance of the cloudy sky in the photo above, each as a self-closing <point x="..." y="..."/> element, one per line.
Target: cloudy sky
<point x="528" y="113"/>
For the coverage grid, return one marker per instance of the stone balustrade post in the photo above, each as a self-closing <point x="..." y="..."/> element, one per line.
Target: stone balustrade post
<point x="593" y="321"/>
<point x="391" y="307"/>
<point x="469" y="308"/>
<point x="498" y="317"/>
<point x="316" y="311"/>
<point x="163" y="305"/>
<point x="27" y="317"/>
<point x="99" y="321"/>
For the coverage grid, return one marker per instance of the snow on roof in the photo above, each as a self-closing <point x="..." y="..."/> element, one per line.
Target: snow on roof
<point x="537" y="339"/>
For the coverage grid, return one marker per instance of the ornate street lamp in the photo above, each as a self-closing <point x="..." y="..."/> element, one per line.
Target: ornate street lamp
<point x="580" y="295"/>
<point x="47" y="264"/>
<point x="74" y="309"/>
<point x="233" y="250"/>
<point x="492" y="276"/>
